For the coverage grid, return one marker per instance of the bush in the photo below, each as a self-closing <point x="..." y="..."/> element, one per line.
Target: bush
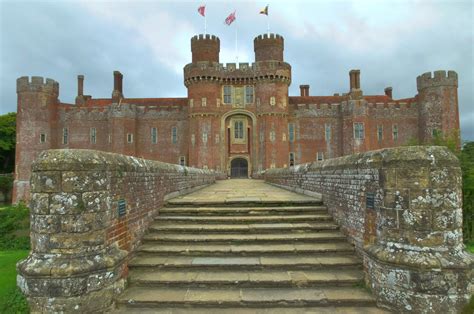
<point x="14" y="228"/>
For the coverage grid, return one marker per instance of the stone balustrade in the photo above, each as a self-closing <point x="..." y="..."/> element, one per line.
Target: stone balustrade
<point x="402" y="209"/>
<point x="89" y="211"/>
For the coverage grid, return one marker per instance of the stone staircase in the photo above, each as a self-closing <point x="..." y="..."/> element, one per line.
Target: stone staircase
<point x="245" y="256"/>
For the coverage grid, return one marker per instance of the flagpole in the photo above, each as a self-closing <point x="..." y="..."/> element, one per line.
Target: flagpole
<point x="268" y="25"/>
<point x="205" y="24"/>
<point x="236" y="55"/>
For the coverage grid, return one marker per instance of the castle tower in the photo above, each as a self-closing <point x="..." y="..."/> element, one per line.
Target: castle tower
<point x="273" y="77"/>
<point x="202" y="78"/>
<point x="35" y="129"/>
<point x="438" y="105"/>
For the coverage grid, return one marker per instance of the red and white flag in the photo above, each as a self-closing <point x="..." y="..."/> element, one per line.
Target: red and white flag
<point x="230" y="18"/>
<point x="202" y="10"/>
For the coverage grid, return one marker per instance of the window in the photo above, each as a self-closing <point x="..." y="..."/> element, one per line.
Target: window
<point x="395" y="132"/>
<point x="42" y="138"/>
<point x="191" y="103"/>
<point x="291" y="132"/>
<point x="217" y="140"/>
<point x="218" y="102"/>
<point x="110" y="138"/>
<point x="204" y="137"/>
<point x="262" y="136"/>
<point x="320" y="156"/>
<point x="283" y="137"/>
<point x="258" y="101"/>
<point x="65" y="135"/>
<point x="249" y="94"/>
<point x="129" y="138"/>
<point x="380" y="132"/>
<point x="358" y="131"/>
<point x="272" y="101"/>
<point x="93" y="135"/>
<point x="193" y="139"/>
<point x="182" y="161"/>
<point x="327" y="132"/>
<point x="292" y="159"/>
<point x="227" y="94"/>
<point x="204" y="102"/>
<point x="154" y="135"/>
<point x="238" y="129"/>
<point x="272" y="136"/>
<point x="174" y="135"/>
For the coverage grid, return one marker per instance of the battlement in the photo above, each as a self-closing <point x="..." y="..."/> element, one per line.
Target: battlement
<point x="268" y="47"/>
<point x="439" y="78"/>
<point x="37" y="84"/>
<point x="206" y="37"/>
<point x="271" y="36"/>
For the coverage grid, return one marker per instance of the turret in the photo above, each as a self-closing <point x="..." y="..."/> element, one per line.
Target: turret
<point x="35" y="131"/>
<point x="438" y="105"/>
<point x="205" y="48"/>
<point x="268" y="47"/>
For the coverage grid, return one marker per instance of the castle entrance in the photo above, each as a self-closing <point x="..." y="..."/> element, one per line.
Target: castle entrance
<point x="239" y="168"/>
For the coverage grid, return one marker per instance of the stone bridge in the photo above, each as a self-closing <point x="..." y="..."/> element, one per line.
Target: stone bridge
<point x="373" y="232"/>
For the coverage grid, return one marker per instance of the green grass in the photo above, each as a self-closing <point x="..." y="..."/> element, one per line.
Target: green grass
<point x="14" y="246"/>
<point x="11" y="299"/>
<point x="470" y="247"/>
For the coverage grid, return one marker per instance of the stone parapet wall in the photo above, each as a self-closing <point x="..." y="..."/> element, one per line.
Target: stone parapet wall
<point x="81" y="238"/>
<point x="402" y="209"/>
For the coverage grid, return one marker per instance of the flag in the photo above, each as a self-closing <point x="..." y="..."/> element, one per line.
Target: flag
<point x="202" y="10"/>
<point x="230" y="18"/>
<point x="264" y="11"/>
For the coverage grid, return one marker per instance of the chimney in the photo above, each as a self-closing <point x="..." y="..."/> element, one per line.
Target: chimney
<point x="388" y="91"/>
<point x="80" y="85"/>
<point x="117" y="92"/>
<point x="354" y="76"/>
<point x="304" y="90"/>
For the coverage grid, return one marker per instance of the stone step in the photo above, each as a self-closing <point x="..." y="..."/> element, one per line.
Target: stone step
<point x="246" y="278"/>
<point x="254" y="310"/>
<point x="236" y="211"/>
<point x="243" y="202"/>
<point x="246" y="219"/>
<point x="261" y="228"/>
<point x="331" y="236"/>
<point x="287" y="262"/>
<point x="246" y="249"/>
<point x="145" y="296"/>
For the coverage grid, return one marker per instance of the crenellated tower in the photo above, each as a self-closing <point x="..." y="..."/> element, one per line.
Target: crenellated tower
<point x="202" y="78"/>
<point x="36" y="127"/>
<point x="273" y="77"/>
<point x="438" y="105"/>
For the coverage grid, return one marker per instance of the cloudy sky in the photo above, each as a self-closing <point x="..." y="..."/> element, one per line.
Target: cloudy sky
<point x="391" y="42"/>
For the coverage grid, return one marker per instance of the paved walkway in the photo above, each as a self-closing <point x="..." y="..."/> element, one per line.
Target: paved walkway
<point x="249" y="190"/>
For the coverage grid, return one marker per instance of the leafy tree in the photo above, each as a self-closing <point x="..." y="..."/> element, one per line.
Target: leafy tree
<point x="7" y="142"/>
<point x="467" y="165"/>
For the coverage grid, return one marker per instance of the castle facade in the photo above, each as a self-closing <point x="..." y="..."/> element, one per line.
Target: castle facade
<point x="236" y="119"/>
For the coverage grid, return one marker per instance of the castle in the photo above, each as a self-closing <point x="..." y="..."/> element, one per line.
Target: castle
<point x="236" y="119"/>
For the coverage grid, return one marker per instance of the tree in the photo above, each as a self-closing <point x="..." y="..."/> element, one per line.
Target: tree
<point x="467" y="165"/>
<point x="7" y="142"/>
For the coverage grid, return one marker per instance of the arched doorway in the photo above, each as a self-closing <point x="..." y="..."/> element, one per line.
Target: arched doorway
<point x="239" y="168"/>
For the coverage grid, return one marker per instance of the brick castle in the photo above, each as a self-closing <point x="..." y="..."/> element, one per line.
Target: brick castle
<point x="237" y="119"/>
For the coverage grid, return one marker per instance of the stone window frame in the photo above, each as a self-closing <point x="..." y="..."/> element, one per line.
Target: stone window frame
<point x="395" y="132"/>
<point x="291" y="132"/>
<point x="227" y="93"/>
<point x="191" y="103"/>
<point x="193" y="139"/>
<point x="327" y="132"/>
<point x="272" y="101"/>
<point x="65" y="136"/>
<point x="359" y="130"/>
<point x="204" y="137"/>
<point x="174" y="135"/>
<point x="154" y="135"/>
<point x="129" y="138"/>
<point x="272" y="136"/>
<point x="319" y="156"/>
<point x="93" y="135"/>
<point x="42" y="138"/>
<point x="291" y="159"/>
<point x="380" y="132"/>
<point x="249" y="94"/>
<point x="182" y="161"/>
<point x="203" y="102"/>
<point x="233" y="121"/>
